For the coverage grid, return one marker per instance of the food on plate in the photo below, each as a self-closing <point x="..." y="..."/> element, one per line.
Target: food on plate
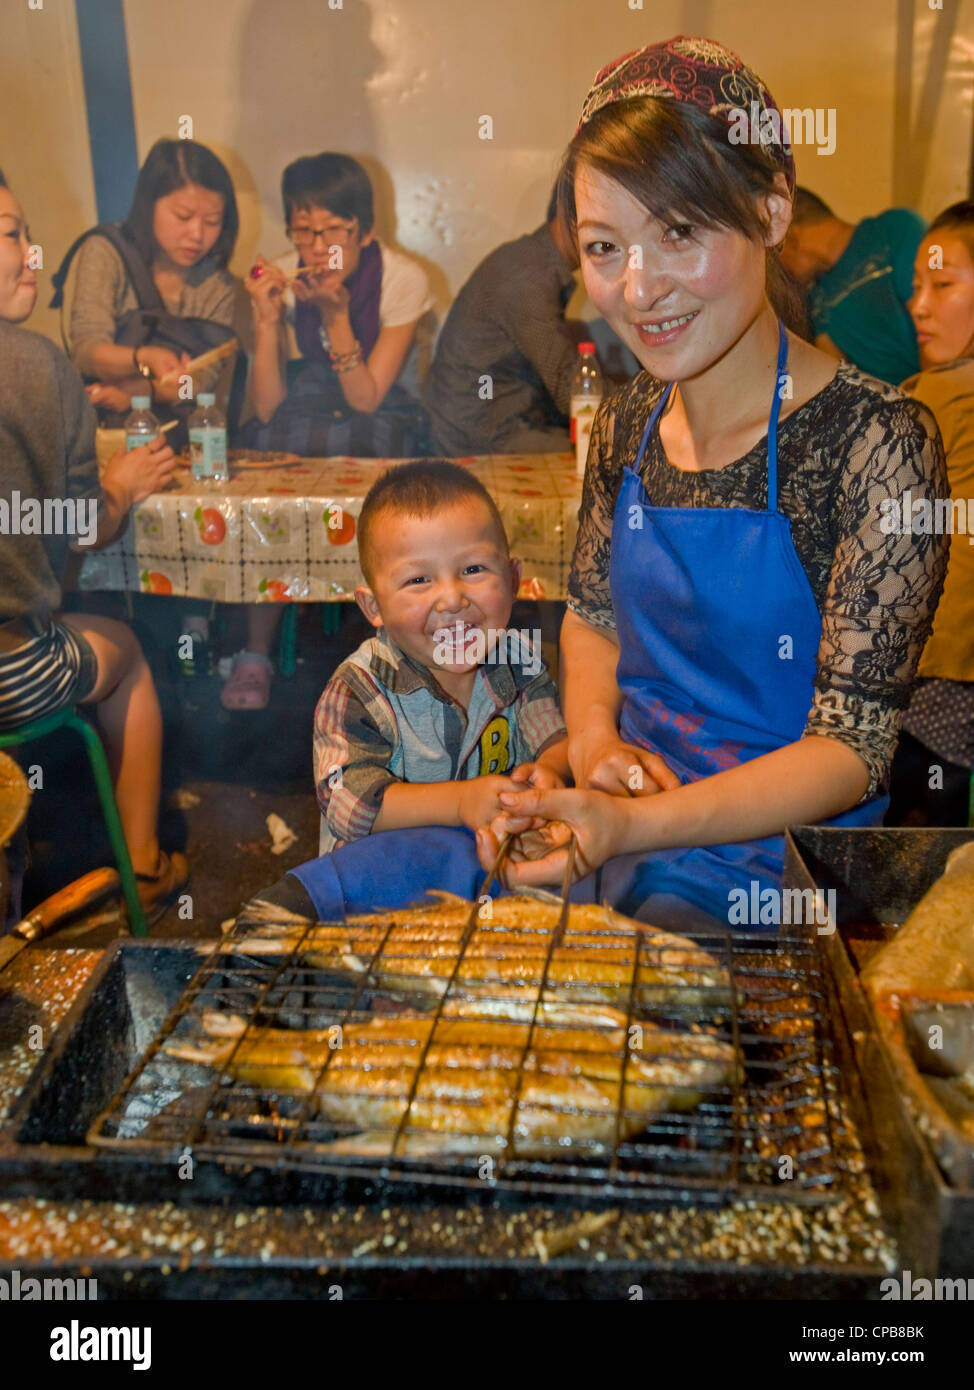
<point x="934" y="948"/>
<point x="478" y="1081"/>
<point x="416" y="949"/>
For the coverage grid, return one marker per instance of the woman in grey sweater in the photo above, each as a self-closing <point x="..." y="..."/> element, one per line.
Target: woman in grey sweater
<point x="50" y="497"/>
<point x="183" y="225"/>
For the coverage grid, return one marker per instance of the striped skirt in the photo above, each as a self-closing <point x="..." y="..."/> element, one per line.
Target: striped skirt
<point x="54" y="668"/>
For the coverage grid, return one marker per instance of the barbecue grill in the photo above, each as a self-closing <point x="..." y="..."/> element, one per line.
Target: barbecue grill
<point x="276" y="1223"/>
<point x="767" y="1132"/>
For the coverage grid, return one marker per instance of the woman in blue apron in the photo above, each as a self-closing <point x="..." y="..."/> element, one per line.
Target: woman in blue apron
<point x="743" y="627"/>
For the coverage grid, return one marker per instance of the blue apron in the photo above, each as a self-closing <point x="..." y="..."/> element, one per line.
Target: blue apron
<point x="718" y="632"/>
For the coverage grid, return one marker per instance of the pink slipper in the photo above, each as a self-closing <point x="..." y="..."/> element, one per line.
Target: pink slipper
<point x="249" y="683"/>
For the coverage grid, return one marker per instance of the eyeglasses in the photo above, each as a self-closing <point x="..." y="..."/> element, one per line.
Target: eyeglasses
<point x="335" y="234"/>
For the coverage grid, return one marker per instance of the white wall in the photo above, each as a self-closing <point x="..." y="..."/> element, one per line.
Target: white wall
<point x="44" y="149"/>
<point x="401" y="85"/>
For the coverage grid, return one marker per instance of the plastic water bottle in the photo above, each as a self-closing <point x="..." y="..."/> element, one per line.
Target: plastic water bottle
<point x="141" y="426"/>
<point x="586" y="395"/>
<point x="208" y="441"/>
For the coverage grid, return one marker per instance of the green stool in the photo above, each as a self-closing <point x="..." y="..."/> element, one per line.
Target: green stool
<point x="70" y="718"/>
<point x="287" y="652"/>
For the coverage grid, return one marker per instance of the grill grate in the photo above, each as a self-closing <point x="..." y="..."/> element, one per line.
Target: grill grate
<point x="605" y="1108"/>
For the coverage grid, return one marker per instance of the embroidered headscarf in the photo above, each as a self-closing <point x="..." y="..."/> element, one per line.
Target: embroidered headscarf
<point x="707" y="75"/>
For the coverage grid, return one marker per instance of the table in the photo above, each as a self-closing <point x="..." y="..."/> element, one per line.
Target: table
<point x="288" y="532"/>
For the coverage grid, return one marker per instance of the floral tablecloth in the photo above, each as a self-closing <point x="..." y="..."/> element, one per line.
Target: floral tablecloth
<point x="277" y="533"/>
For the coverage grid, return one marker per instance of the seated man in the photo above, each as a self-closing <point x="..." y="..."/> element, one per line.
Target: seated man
<point x="508" y="324"/>
<point x="446" y="708"/>
<point x="859" y="279"/>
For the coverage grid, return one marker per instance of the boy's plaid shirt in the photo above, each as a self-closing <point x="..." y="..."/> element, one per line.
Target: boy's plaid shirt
<point x="383" y="718"/>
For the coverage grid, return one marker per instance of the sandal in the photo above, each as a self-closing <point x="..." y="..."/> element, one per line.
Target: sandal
<point x="160" y="889"/>
<point x="249" y="683"/>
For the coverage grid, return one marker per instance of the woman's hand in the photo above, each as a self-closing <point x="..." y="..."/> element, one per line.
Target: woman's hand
<point x="267" y="293"/>
<point x="602" y="761"/>
<point x="542" y="824"/>
<point x="167" y="389"/>
<point x="137" y="473"/>
<point x="114" y="396"/>
<point x="160" y="361"/>
<point x="323" y="289"/>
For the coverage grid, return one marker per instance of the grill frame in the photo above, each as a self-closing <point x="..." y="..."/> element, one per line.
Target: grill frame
<point x="878" y="877"/>
<point x="518" y="1178"/>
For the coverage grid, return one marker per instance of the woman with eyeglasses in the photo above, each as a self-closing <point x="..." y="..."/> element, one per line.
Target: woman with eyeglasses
<point x="340" y="323"/>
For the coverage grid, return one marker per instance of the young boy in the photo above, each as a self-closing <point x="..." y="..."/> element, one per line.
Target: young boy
<point x="430" y="720"/>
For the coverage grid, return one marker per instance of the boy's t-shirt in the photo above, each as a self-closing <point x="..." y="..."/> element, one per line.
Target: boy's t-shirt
<point x="403" y="298"/>
<point x="383" y="718"/>
<point x="861" y="302"/>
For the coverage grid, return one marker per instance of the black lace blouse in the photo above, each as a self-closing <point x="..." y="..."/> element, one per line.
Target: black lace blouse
<point x="854" y="444"/>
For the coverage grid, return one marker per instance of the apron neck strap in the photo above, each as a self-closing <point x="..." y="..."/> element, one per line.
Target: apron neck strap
<point x="779" y="380"/>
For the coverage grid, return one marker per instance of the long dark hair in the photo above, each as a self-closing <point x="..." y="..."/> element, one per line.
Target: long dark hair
<point x="172" y="164"/>
<point x="678" y="162"/>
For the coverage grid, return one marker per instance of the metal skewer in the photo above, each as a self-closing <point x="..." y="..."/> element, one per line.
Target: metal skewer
<point x="566" y="884"/>
<point x="492" y="873"/>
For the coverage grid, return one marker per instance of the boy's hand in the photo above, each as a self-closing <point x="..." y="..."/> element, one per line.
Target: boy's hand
<point x="138" y="473"/>
<point x="537" y="775"/>
<point x="479" y="800"/>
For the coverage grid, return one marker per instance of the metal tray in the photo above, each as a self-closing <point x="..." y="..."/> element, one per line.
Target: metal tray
<point x="877" y="877"/>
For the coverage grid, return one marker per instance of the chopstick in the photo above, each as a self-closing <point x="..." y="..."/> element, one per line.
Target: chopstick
<point x="492" y="873"/>
<point x="205" y="359"/>
<point x="566" y="884"/>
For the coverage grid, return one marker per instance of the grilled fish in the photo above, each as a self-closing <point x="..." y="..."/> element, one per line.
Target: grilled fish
<point x="934" y="949"/>
<point x="479" y="1081"/>
<point x="416" y="950"/>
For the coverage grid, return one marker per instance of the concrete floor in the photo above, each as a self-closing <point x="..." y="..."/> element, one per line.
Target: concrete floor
<point x="223" y="773"/>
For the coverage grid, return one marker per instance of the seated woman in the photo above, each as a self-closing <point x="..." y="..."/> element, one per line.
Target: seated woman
<point x="742" y="635"/>
<point x="155" y="291"/>
<point x="339" y="324"/>
<point x="47" y="661"/>
<point x="939" y="724"/>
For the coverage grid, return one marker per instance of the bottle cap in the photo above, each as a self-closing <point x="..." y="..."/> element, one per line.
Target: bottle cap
<point x="206" y="398"/>
<point x="587" y="347"/>
<point x="141" y="402"/>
